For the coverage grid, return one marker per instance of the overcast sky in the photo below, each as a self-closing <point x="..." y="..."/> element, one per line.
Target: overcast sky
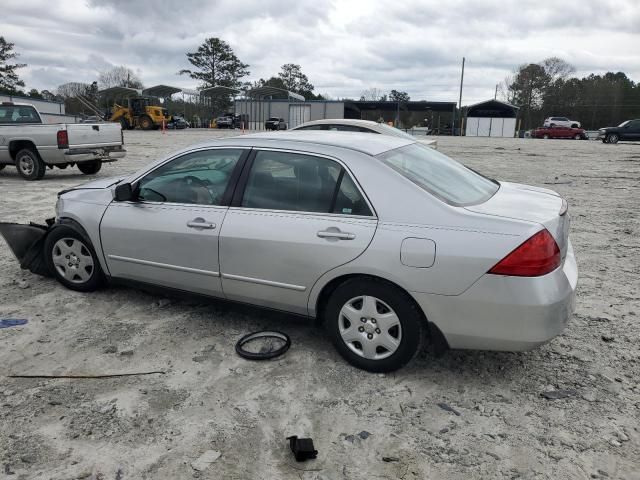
<point x="344" y="46"/>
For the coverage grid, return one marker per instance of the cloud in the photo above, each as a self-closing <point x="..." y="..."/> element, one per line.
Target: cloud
<point x="344" y="47"/>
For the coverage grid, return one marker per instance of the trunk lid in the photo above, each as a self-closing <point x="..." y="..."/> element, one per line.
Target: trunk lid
<point x="533" y="204"/>
<point x="86" y="135"/>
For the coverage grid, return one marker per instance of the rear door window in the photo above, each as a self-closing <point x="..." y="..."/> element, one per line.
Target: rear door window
<point x="301" y="183"/>
<point x="18" y="114"/>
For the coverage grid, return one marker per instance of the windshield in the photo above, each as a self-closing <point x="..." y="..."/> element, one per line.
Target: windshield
<point x="439" y="175"/>
<point x="624" y="123"/>
<point x="387" y="130"/>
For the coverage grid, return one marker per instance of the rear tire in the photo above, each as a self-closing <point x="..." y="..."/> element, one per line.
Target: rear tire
<point x="612" y="138"/>
<point x="29" y="165"/>
<point x="90" y="168"/>
<point x="72" y="259"/>
<point x="578" y="136"/>
<point x="145" y="123"/>
<point x="391" y="334"/>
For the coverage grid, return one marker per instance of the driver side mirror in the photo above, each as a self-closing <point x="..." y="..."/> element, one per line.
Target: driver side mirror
<point x="124" y="193"/>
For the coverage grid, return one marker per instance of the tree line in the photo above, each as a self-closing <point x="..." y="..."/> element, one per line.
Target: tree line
<point x="540" y="90"/>
<point x="549" y="89"/>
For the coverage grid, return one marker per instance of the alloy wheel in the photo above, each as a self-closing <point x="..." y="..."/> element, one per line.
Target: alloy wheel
<point x="26" y="164"/>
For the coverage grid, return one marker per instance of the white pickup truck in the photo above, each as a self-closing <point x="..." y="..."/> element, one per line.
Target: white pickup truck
<point x="33" y="146"/>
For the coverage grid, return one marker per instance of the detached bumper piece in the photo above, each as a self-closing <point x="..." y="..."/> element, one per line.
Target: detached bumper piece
<point x="302" y="448"/>
<point x="27" y="244"/>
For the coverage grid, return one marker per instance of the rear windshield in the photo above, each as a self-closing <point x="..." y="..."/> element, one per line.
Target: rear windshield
<point x="18" y="114"/>
<point x="439" y="175"/>
<point x="388" y="130"/>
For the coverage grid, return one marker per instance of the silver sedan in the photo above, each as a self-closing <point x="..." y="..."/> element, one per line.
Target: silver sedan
<point x="384" y="240"/>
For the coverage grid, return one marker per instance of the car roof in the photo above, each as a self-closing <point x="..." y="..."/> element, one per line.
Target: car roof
<point x="361" y="142"/>
<point x="342" y="121"/>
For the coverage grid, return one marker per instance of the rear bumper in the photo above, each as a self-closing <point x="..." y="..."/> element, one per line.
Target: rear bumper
<point x="103" y="154"/>
<point x="506" y="313"/>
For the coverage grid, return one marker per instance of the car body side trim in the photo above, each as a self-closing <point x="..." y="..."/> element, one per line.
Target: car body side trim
<point x="164" y="265"/>
<point x="259" y="281"/>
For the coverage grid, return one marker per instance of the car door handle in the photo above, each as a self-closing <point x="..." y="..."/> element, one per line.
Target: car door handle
<point x="336" y="234"/>
<point x="201" y="223"/>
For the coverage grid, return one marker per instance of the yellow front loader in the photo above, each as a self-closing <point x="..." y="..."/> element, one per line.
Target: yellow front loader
<point x="139" y="113"/>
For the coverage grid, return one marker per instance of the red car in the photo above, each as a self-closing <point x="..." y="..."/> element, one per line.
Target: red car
<point x="559" y="132"/>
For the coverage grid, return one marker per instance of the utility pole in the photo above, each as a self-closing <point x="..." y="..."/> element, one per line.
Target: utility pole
<point x="495" y="97"/>
<point x="460" y="101"/>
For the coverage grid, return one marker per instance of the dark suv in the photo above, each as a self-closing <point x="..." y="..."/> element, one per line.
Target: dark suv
<point x="275" y="123"/>
<point x="629" y="131"/>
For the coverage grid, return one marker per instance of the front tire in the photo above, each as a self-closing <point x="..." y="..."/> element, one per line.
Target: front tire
<point x="29" y="165"/>
<point x="612" y="138"/>
<point x="374" y="325"/>
<point x="146" y="123"/>
<point x="90" y="168"/>
<point x="72" y="260"/>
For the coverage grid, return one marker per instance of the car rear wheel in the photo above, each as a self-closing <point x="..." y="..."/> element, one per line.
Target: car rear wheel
<point x="72" y="260"/>
<point x="373" y="324"/>
<point x="29" y="164"/>
<point x="90" y="168"/>
<point x="612" y="138"/>
<point x="552" y="125"/>
<point x="577" y="136"/>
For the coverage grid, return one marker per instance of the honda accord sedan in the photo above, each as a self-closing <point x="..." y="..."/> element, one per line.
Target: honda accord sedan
<point x="383" y="240"/>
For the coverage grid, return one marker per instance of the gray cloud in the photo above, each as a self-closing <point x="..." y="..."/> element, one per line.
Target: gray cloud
<point x="344" y="46"/>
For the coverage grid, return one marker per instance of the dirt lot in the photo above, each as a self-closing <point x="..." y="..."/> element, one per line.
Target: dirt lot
<point x="364" y="425"/>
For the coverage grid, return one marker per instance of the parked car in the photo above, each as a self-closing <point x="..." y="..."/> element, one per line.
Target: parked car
<point x="628" y="131"/>
<point x="275" y="123"/>
<point x="378" y="237"/>
<point x="225" y="121"/>
<point x="362" y="126"/>
<point x="32" y="146"/>
<point x="560" y="132"/>
<point x="177" y="122"/>
<point x="561" y="122"/>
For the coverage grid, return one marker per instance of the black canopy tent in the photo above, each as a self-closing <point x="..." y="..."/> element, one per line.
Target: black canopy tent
<point x="440" y="114"/>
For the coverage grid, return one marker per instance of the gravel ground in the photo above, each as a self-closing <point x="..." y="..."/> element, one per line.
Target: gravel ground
<point x="214" y="415"/>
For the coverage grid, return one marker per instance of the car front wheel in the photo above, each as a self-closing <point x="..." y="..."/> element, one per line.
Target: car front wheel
<point x="72" y="259"/>
<point x="612" y="138"/>
<point x="373" y="324"/>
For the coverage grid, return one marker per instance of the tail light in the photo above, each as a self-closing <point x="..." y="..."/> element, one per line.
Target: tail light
<point x="537" y="256"/>
<point x="63" y="139"/>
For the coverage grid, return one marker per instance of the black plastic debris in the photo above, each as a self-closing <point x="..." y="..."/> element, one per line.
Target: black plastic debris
<point x="448" y="408"/>
<point x="27" y="244"/>
<point x="302" y="448"/>
<point x="558" y="394"/>
<point x="12" y="322"/>
<point x="264" y="353"/>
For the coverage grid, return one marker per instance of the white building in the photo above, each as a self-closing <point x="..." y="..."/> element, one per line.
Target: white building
<point x="491" y="119"/>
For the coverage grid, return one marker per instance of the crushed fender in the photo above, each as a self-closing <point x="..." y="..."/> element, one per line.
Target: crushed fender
<point x="27" y="244"/>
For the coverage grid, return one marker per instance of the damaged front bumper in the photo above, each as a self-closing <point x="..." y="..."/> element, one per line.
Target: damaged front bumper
<point x="27" y="244"/>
